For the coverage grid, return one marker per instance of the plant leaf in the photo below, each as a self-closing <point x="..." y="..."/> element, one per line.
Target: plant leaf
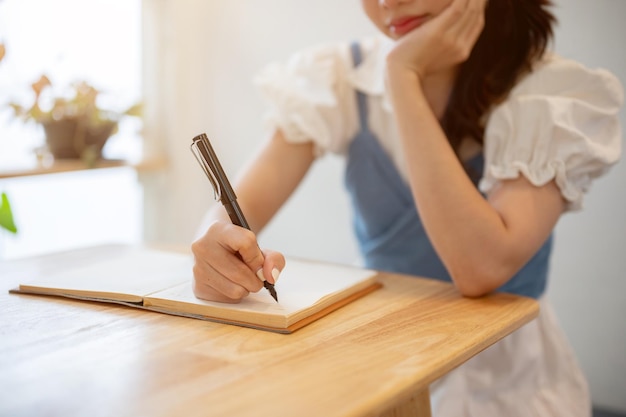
<point x="135" y="110"/>
<point x="6" y="217"/>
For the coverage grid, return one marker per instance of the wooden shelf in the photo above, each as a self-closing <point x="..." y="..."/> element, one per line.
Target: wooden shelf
<point x="70" y="165"/>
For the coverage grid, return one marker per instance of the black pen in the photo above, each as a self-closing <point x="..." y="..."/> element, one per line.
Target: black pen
<point x="204" y="153"/>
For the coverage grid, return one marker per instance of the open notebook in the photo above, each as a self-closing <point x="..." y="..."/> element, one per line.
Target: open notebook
<point x="161" y="281"/>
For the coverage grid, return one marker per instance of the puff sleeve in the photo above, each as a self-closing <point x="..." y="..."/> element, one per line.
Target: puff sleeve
<point x="561" y="122"/>
<point x="310" y="98"/>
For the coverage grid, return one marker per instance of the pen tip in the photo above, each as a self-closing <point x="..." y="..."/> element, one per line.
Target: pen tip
<point x="271" y="290"/>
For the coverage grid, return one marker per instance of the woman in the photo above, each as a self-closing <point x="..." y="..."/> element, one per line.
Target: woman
<point x="466" y="140"/>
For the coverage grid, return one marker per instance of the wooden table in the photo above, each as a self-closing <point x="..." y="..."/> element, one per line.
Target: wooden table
<point x="376" y="356"/>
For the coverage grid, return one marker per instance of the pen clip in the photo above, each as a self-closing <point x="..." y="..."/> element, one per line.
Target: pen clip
<point x="206" y="167"/>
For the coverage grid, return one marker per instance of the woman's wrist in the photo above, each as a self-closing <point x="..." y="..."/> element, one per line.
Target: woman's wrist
<point x="400" y="75"/>
<point x="401" y="80"/>
<point x="405" y="87"/>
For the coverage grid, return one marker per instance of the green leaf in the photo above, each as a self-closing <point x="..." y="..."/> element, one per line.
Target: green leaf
<point x="6" y="217"/>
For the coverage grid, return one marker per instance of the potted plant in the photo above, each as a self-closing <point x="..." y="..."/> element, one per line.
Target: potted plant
<point x="74" y="124"/>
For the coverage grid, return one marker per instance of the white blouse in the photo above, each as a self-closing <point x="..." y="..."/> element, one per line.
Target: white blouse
<point x="560" y="122"/>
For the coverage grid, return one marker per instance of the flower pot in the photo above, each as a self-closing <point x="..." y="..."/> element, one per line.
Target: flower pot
<point x="70" y="138"/>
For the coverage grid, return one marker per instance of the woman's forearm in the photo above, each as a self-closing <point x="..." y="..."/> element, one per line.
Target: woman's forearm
<point x="469" y="235"/>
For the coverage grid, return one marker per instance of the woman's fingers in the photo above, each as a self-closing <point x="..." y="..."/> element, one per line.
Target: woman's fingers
<point x="470" y="23"/>
<point x="461" y="24"/>
<point x="226" y="260"/>
<point x="273" y="265"/>
<point x="446" y="40"/>
<point x="224" y="291"/>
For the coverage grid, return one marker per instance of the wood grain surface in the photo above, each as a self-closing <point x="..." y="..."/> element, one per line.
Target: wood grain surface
<point x="375" y="356"/>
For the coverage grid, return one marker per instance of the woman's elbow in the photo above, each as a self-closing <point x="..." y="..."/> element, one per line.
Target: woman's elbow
<point x="472" y="289"/>
<point x="480" y="281"/>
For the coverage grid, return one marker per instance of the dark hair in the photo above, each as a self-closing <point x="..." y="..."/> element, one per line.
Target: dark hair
<point x="515" y="36"/>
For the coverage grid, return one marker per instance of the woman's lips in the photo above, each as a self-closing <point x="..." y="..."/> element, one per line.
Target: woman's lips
<point x="404" y="25"/>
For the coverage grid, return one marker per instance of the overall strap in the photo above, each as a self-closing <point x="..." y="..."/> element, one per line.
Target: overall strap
<point x="361" y="98"/>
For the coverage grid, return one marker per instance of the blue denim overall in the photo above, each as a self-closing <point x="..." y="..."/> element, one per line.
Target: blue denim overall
<point x="388" y="228"/>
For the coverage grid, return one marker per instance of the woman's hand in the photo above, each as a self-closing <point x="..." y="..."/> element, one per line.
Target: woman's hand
<point x="229" y="264"/>
<point x="442" y="42"/>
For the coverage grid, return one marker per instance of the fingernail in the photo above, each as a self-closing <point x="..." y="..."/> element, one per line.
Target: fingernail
<point x="259" y="274"/>
<point x="275" y="274"/>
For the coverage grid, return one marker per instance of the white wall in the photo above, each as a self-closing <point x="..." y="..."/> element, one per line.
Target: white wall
<point x="588" y="285"/>
<point x="210" y="51"/>
<point x="200" y="71"/>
